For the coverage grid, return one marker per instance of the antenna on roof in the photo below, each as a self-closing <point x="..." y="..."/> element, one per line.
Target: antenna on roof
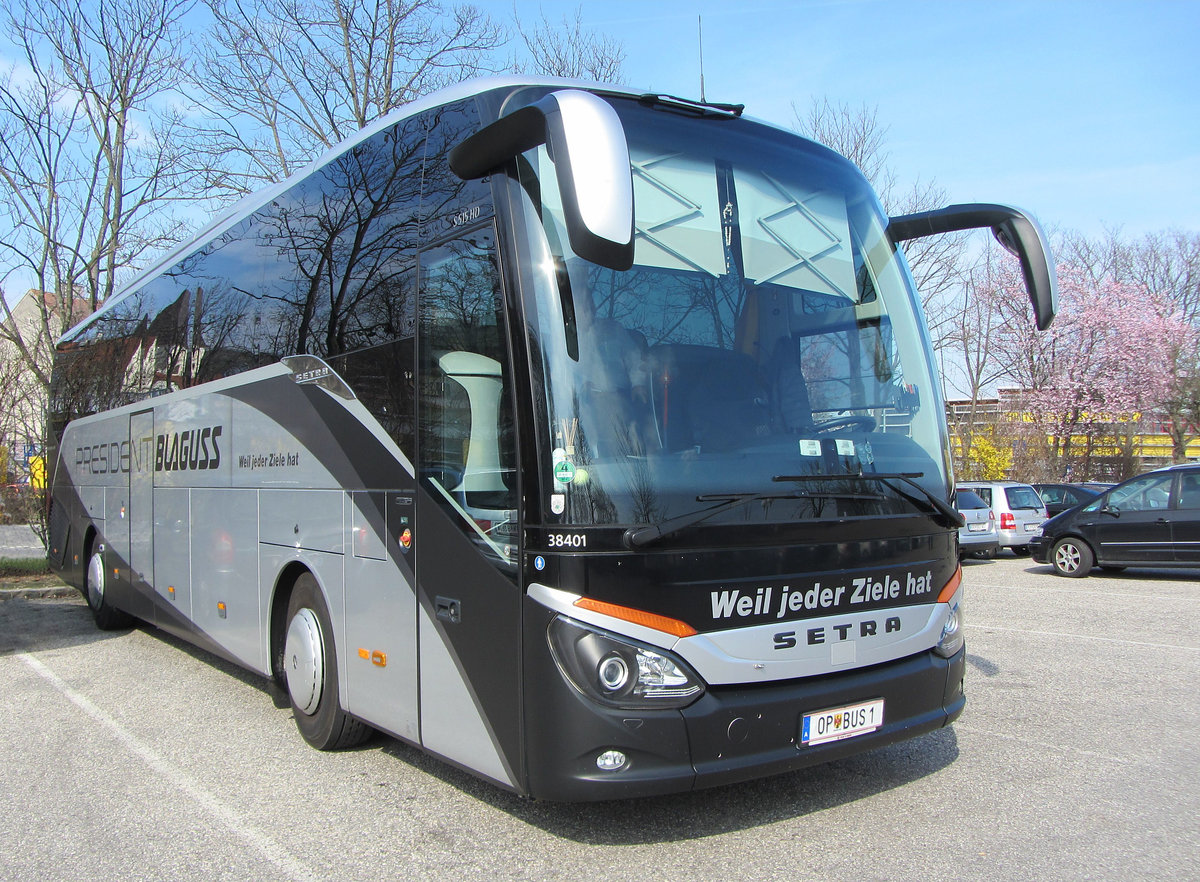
<point x="700" y="30"/>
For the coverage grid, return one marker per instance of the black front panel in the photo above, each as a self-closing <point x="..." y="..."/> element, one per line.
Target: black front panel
<point x="832" y="570"/>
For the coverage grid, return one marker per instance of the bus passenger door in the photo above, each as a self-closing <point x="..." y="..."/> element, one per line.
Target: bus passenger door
<point x="468" y="530"/>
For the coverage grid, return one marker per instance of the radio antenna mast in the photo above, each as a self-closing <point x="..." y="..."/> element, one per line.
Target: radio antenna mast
<point x="700" y="30"/>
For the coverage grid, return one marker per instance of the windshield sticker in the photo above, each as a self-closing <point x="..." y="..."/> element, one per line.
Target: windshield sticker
<point x="564" y="471"/>
<point x="810" y="447"/>
<point x="845" y="447"/>
<point x="558" y="503"/>
<point x="865" y="454"/>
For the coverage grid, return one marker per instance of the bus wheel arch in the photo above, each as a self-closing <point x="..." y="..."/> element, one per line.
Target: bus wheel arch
<point x="284" y="584"/>
<point x="304" y="661"/>
<point x="95" y="582"/>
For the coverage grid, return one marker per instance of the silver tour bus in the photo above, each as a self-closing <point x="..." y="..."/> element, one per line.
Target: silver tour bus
<point x="589" y="440"/>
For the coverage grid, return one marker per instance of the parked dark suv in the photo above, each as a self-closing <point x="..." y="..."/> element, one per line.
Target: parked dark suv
<point x="1150" y="520"/>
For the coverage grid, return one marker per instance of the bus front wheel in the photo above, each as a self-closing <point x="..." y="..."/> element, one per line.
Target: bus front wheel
<point x="310" y="669"/>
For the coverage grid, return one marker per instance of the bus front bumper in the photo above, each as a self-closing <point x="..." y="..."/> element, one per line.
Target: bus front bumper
<point x="737" y="733"/>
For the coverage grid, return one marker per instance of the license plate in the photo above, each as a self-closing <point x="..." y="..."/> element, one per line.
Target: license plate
<point x="837" y="723"/>
<point x="976" y="528"/>
<point x="1033" y="528"/>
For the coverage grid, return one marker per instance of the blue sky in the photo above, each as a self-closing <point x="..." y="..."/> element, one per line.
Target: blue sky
<point x="1085" y="113"/>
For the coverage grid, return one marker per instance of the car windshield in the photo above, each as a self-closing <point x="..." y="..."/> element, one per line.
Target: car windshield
<point x="767" y="329"/>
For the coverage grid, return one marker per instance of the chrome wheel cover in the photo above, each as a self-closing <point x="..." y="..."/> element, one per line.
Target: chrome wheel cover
<point x="1066" y="557"/>
<point x="304" y="661"/>
<point x="95" y="580"/>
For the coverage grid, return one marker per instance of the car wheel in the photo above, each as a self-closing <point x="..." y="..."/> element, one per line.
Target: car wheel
<point x="1071" y="557"/>
<point x="310" y="668"/>
<point x="108" y="617"/>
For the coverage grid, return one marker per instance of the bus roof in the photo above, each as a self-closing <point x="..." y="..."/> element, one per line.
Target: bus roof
<point x="252" y="202"/>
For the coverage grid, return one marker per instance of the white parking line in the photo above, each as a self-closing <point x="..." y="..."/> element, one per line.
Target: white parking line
<point x="1068" y="635"/>
<point x="1045" y="745"/>
<point x="1078" y="592"/>
<point x="252" y="836"/>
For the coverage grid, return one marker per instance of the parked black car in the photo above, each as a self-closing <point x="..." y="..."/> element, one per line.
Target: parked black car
<point x="1150" y="520"/>
<point x="1060" y="497"/>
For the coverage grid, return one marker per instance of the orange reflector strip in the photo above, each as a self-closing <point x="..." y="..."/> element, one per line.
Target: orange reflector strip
<point x="638" y="617"/>
<point x="362" y="653"/>
<point x="951" y="587"/>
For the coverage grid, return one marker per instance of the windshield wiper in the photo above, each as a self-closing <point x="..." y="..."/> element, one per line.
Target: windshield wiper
<point x="637" y="537"/>
<point x="703" y="108"/>
<point x="939" y="505"/>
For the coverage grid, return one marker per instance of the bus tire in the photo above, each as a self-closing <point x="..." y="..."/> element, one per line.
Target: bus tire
<point x="108" y="617"/>
<point x="1072" y="557"/>
<point x="310" y="671"/>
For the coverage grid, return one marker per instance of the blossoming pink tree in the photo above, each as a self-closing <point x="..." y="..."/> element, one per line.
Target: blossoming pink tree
<point x="1111" y="358"/>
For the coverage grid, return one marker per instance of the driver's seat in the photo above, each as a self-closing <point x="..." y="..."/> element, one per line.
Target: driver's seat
<point x="791" y="408"/>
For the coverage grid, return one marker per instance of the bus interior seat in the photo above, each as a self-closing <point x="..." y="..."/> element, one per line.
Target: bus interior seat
<point x="707" y="398"/>
<point x="791" y="407"/>
<point x="618" y="378"/>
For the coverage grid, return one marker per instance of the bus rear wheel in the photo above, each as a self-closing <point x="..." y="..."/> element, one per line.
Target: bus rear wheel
<point x="310" y="670"/>
<point x="108" y="617"/>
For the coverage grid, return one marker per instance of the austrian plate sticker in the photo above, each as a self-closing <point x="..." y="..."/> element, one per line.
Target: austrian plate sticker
<point x="837" y="723"/>
<point x="810" y="447"/>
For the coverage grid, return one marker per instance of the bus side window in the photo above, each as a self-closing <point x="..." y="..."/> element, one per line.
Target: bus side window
<point x="467" y="450"/>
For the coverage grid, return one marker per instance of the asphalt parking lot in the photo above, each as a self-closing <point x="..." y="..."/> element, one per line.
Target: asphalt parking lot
<point x="132" y="756"/>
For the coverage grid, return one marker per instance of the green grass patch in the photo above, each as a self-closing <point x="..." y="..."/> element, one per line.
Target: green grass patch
<point x="18" y="566"/>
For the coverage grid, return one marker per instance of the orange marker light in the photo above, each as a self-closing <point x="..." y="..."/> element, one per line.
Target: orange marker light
<point x="951" y="587"/>
<point x="665" y="624"/>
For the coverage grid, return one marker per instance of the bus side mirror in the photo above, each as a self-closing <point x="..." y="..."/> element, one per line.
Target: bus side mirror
<point x="586" y="142"/>
<point x="1017" y="231"/>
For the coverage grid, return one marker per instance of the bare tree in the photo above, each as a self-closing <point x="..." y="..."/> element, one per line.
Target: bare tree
<point x="936" y="261"/>
<point x="282" y="80"/>
<point x="569" y="50"/>
<point x="90" y="161"/>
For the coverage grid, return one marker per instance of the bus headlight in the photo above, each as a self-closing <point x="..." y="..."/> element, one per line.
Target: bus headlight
<point x="617" y="672"/>
<point x="952" y="633"/>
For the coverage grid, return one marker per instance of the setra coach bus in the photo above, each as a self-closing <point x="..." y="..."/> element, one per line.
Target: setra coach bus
<point x="589" y="440"/>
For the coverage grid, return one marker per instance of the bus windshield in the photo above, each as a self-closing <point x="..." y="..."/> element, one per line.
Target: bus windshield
<point x="767" y="330"/>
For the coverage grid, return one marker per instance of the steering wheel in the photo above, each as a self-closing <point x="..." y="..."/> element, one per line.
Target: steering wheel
<point x="862" y="421"/>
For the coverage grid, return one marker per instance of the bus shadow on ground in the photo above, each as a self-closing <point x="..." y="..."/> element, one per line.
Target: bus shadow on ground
<point x="37" y="624"/>
<point x="679" y="817"/>
<point x="702" y="813"/>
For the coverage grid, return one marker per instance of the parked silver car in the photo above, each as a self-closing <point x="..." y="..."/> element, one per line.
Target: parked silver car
<point x="1019" y="511"/>
<point x="979" y="536"/>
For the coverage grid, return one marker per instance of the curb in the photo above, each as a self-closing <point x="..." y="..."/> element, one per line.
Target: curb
<point x="58" y="591"/>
